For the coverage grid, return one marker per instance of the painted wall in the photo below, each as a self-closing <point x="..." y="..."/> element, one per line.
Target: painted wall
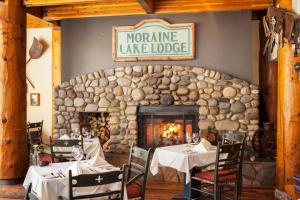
<point x="223" y="42"/>
<point x="40" y="72"/>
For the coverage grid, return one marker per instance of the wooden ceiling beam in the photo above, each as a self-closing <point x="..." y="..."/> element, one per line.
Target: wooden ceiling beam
<point x="36" y="22"/>
<point x="29" y="3"/>
<point x="35" y="11"/>
<point x="147" y="5"/>
<point x="186" y="6"/>
<point x="103" y="8"/>
<point x="133" y="7"/>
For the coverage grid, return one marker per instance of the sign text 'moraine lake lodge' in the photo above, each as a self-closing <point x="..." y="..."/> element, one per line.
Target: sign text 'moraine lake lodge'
<point x="153" y="39"/>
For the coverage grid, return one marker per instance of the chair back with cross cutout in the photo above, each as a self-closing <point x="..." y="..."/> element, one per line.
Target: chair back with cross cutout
<point x="228" y="165"/>
<point x="231" y="138"/>
<point x="34" y="131"/>
<point x="67" y="145"/>
<point x="138" y="166"/>
<point x="91" y="180"/>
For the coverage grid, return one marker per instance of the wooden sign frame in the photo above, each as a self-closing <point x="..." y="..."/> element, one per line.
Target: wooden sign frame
<point x="191" y="42"/>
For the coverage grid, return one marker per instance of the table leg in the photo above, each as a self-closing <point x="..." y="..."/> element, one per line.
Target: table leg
<point x="186" y="191"/>
<point x="186" y="188"/>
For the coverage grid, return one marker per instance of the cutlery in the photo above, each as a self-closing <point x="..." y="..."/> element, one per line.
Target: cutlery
<point x="93" y="170"/>
<point x="61" y="173"/>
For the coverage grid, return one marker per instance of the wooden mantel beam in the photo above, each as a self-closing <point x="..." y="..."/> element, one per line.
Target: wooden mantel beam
<point x="147" y="5"/>
<point x="133" y="7"/>
<point x="55" y="2"/>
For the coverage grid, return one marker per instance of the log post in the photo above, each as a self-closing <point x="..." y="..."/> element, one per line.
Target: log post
<point x="288" y="115"/>
<point x="13" y="138"/>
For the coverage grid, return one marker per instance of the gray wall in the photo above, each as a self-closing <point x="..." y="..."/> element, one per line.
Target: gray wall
<point x="223" y="42"/>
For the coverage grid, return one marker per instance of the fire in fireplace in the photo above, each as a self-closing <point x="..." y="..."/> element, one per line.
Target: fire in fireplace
<point x="166" y="125"/>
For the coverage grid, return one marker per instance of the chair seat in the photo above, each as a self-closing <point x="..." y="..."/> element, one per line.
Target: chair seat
<point x="133" y="191"/>
<point x="45" y="157"/>
<point x="209" y="176"/>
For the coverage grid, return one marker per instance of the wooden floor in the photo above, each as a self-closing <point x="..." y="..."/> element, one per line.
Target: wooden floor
<point x="155" y="191"/>
<point x="165" y="191"/>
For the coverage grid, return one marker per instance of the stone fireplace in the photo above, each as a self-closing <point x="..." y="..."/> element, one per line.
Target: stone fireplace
<point x="166" y="125"/>
<point x="223" y="102"/>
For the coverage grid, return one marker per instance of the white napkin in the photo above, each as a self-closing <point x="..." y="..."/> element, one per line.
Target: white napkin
<point x="65" y="137"/>
<point x="75" y="168"/>
<point x="97" y="160"/>
<point x="203" y="146"/>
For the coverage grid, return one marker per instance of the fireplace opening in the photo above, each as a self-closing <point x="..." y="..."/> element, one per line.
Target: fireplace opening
<point x="166" y="125"/>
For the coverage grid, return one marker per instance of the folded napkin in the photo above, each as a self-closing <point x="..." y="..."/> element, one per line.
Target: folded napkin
<point x="75" y="168"/>
<point x="203" y="146"/>
<point x="97" y="160"/>
<point x="65" y="137"/>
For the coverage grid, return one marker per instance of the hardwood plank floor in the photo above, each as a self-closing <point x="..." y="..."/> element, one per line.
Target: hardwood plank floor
<point x="165" y="191"/>
<point x="155" y="191"/>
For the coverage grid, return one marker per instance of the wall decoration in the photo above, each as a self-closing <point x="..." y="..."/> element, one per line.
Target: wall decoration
<point x="153" y="39"/>
<point x="35" y="99"/>
<point x="36" y="50"/>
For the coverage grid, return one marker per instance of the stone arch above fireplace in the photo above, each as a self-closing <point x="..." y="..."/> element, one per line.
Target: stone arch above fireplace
<point x="225" y="103"/>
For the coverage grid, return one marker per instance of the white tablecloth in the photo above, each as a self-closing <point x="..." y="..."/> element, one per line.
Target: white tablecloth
<point x="180" y="157"/>
<point x="91" y="146"/>
<point x="48" y="188"/>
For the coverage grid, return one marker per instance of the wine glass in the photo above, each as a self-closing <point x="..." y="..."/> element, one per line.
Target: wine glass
<point x="195" y="137"/>
<point x="77" y="152"/>
<point x="188" y="137"/>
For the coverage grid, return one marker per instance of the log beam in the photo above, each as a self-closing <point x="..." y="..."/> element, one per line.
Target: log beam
<point x="13" y="137"/>
<point x="35" y="11"/>
<point x="147" y="5"/>
<point x="133" y="7"/>
<point x="35" y="22"/>
<point x="288" y="114"/>
<point x="55" y="2"/>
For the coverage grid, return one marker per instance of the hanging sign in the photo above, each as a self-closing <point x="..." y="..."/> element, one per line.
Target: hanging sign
<point x="153" y="39"/>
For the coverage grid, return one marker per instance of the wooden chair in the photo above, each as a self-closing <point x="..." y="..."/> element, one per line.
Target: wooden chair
<point x="34" y="131"/>
<point x="63" y="155"/>
<point x="225" y="176"/>
<point x="231" y="138"/>
<point x="137" y="172"/>
<point x="90" y="180"/>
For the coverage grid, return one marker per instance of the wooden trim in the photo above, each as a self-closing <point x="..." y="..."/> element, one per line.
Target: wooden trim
<point x="35" y="22"/>
<point x="55" y="2"/>
<point x="151" y="58"/>
<point x="147" y="5"/>
<point x="133" y="7"/>
<point x="56" y="56"/>
<point x="56" y="65"/>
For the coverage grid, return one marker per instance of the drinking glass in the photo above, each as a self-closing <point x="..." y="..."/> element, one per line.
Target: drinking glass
<point x="196" y="138"/>
<point x="77" y="152"/>
<point x="188" y="137"/>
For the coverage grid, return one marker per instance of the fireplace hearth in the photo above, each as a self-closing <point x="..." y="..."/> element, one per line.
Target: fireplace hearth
<point x="166" y="125"/>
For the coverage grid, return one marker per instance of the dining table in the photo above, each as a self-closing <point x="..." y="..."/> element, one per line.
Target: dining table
<point x="183" y="158"/>
<point x="51" y="182"/>
<point x="91" y="146"/>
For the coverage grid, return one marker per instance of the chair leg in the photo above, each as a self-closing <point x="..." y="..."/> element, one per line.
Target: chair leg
<point x="240" y="187"/>
<point x="194" y="193"/>
<point x="216" y="192"/>
<point x="236" y="190"/>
